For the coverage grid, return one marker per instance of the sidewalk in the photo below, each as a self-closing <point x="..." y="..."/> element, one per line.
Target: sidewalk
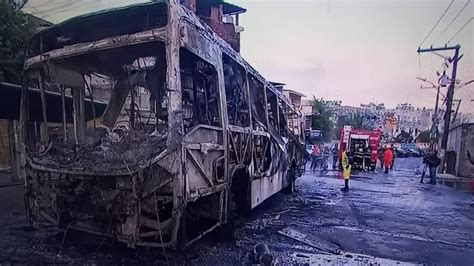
<point x="459" y="183"/>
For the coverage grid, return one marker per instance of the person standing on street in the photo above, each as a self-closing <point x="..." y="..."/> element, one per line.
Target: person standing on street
<point x="469" y="157"/>
<point x="334" y="156"/>
<point x="393" y="157"/>
<point x="388" y="159"/>
<point x="472" y="162"/>
<point x="432" y="161"/>
<point x="315" y="157"/>
<point x="346" y="170"/>
<point x="380" y="156"/>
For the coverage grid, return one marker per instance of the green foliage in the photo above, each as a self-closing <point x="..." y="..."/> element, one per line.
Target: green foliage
<point x="321" y="118"/>
<point x="424" y="136"/>
<point x="15" y="29"/>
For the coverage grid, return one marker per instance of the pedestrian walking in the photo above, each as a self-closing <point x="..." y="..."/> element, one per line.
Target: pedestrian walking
<point x="346" y="170"/>
<point x="469" y="157"/>
<point x="325" y="158"/>
<point x="472" y="162"/>
<point x="315" y="157"/>
<point x="335" y="153"/>
<point x="380" y="156"/>
<point x="394" y="155"/>
<point x="388" y="159"/>
<point x="432" y="162"/>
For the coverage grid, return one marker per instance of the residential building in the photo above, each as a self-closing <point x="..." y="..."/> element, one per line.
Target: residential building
<point x="410" y="119"/>
<point x="307" y="110"/>
<point x="222" y="17"/>
<point x="278" y="86"/>
<point x="295" y="97"/>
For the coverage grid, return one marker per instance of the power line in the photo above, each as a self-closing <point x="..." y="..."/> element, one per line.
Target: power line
<point x="461" y="29"/>
<point x="454" y="19"/>
<point x="437" y="22"/>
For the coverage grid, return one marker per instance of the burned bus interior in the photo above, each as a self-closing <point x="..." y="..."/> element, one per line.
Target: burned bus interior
<point x="119" y="77"/>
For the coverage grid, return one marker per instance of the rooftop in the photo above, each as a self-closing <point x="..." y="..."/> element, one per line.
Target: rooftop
<point x="295" y="92"/>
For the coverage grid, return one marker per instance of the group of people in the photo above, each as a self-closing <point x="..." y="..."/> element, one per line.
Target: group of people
<point x="387" y="160"/>
<point x="320" y="157"/>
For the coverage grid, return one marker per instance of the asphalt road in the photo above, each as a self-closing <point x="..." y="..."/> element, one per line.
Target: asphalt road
<point x="384" y="219"/>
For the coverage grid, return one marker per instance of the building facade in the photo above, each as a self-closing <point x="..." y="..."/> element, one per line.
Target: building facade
<point x="460" y="140"/>
<point x="410" y="119"/>
<point x="222" y="17"/>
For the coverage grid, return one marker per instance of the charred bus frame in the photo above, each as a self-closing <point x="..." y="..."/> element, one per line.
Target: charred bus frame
<point x="219" y="139"/>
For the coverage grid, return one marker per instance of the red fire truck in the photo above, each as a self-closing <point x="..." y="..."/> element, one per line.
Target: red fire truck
<point x="362" y="146"/>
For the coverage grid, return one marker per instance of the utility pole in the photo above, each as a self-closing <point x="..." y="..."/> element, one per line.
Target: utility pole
<point x="434" y="128"/>
<point x="449" y="96"/>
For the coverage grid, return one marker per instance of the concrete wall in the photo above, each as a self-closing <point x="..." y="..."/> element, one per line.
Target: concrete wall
<point x="461" y="139"/>
<point x="465" y="168"/>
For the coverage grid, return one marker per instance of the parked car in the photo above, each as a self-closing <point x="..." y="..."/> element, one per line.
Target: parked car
<point x="402" y="153"/>
<point x="420" y="153"/>
<point x="415" y="153"/>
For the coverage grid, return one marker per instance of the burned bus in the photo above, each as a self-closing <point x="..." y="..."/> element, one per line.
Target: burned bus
<point x="188" y="134"/>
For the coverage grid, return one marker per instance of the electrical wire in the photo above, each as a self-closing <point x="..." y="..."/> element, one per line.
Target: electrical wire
<point x="454" y="36"/>
<point x="452" y="21"/>
<point x="437" y="22"/>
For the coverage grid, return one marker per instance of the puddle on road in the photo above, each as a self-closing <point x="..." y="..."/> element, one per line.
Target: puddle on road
<point x="344" y="259"/>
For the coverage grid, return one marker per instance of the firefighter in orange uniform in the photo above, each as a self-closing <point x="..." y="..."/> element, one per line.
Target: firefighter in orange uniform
<point x="388" y="159"/>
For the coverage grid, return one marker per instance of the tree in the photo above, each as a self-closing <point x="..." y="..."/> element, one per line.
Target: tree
<point x="15" y="29"/>
<point x="322" y="118"/>
<point x="424" y="136"/>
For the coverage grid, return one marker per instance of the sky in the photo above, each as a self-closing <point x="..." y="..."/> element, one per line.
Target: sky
<point x="356" y="51"/>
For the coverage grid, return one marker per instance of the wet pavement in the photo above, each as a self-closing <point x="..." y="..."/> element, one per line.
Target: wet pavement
<point x="384" y="219"/>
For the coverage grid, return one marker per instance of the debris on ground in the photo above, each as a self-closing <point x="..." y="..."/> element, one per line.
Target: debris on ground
<point x="319" y="244"/>
<point x="262" y="255"/>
